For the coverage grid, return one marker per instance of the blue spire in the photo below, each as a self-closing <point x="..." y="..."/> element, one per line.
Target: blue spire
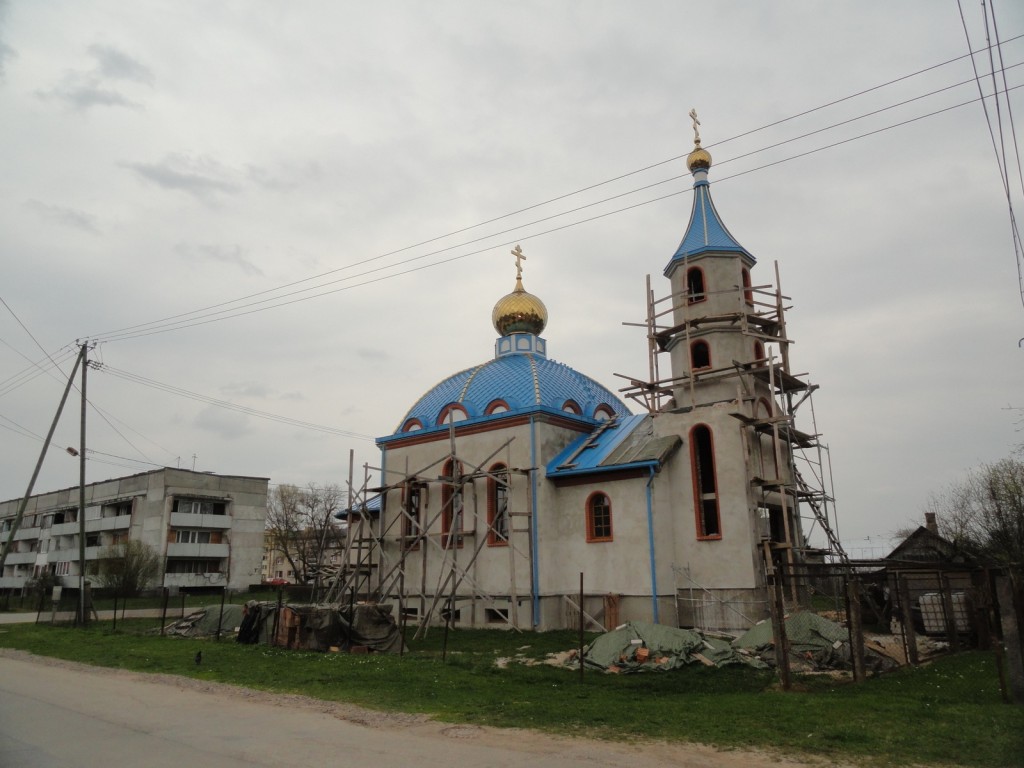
<point x="706" y="233"/>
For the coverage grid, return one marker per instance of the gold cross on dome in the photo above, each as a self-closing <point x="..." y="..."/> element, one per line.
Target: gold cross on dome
<point x="518" y="253"/>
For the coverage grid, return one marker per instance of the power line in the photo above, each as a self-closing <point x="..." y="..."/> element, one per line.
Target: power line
<point x="279" y="301"/>
<point x="171" y="389"/>
<point x="170" y="321"/>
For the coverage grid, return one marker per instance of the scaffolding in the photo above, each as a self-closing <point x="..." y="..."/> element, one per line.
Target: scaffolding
<point x="389" y="558"/>
<point x="802" y="492"/>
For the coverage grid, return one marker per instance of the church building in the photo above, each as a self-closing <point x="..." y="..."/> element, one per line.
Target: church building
<point x="516" y="485"/>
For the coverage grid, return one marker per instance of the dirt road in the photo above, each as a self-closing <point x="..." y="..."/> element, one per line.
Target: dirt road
<point x="56" y="714"/>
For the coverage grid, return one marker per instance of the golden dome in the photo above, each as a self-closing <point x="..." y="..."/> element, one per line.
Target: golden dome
<point x="519" y="312"/>
<point x="700" y="158"/>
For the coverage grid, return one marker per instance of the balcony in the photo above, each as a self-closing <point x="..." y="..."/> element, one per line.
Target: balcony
<point x="26" y="533"/>
<point x="64" y="529"/>
<point x="21" y="558"/>
<point x="188" y="520"/>
<point x="121" y="522"/>
<point x="13" y="582"/>
<point x="198" y="550"/>
<point x="195" y="579"/>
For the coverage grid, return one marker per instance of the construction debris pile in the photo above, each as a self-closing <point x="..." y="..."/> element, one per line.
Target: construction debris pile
<point x="815" y="644"/>
<point x="358" y="628"/>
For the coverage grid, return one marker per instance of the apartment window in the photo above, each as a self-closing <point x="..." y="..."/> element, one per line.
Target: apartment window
<point x="695" y="285"/>
<point x="92" y="539"/>
<point x="192" y="537"/>
<point x="599" y="517"/>
<point x="497" y="506"/>
<point x="451" y="505"/>
<point x="62" y="568"/>
<point x="200" y="506"/>
<point x="705" y="490"/>
<point x="193" y="566"/>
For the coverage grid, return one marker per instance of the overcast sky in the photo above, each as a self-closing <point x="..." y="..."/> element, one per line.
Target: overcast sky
<point x="165" y="157"/>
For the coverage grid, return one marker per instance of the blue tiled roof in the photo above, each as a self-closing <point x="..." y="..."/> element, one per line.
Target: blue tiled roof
<point x="706" y="231"/>
<point x="524" y="381"/>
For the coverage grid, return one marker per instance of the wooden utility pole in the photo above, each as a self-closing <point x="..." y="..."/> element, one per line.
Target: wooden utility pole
<point x="83" y="609"/>
<point x="39" y="463"/>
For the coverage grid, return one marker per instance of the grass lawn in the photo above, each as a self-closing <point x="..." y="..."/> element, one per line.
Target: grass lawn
<point x="946" y="713"/>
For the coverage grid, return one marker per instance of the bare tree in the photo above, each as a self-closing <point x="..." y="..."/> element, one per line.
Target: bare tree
<point x="128" y="567"/>
<point x="302" y="526"/>
<point x="984" y="514"/>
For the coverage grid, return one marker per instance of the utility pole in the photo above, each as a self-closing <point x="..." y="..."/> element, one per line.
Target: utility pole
<point x="84" y="355"/>
<point x="39" y="464"/>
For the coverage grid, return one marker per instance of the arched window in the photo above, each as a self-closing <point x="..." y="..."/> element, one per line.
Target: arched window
<point x="599" y="517"/>
<point x="451" y="413"/>
<point x="571" y="406"/>
<point x="412" y="513"/>
<point x="604" y="412"/>
<point x="695" y="285"/>
<point x="700" y="355"/>
<point x="705" y="487"/>
<point x="748" y="294"/>
<point x="412" y="425"/>
<point x="451" y="505"/>
<point x="496" y="406"/>
<point x="497" y="506"/>
<point x="759" y="353"/>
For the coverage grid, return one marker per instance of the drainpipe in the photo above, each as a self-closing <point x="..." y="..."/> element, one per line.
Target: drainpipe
<point x="650" y="541"/>
<point x="535" y="566"/>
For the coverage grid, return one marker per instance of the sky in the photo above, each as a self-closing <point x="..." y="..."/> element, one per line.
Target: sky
<point x="334" y="188"/>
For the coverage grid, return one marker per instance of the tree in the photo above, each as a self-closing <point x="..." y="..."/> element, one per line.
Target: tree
<point x="128" y="567"/>
<point x="984" y="514"/>
<point x="302" y="527"/>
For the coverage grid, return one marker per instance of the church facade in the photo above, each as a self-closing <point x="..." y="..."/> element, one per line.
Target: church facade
<point x="513" y="487"/>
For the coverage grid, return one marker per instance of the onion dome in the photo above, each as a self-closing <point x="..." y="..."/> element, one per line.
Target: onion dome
<point x="700" y="158"/>
<point x="519" y="312"/>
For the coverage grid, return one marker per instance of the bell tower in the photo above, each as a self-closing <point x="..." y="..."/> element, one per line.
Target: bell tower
<point x="711" y="289"/>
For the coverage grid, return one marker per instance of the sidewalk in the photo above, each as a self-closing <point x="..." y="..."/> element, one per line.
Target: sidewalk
<point x="135" y="613"/>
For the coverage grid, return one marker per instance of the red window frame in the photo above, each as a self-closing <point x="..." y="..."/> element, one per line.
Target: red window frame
<point x="599" y="517"/>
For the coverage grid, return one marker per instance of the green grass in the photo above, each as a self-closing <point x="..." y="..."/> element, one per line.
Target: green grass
<point x="946" y="713"/>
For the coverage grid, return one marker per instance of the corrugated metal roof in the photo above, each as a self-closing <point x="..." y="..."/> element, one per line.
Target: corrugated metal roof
<point x="626" y="441"/>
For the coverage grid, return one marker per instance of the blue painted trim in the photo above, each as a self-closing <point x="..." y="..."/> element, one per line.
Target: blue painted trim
<point x="535" y="575"/>
<point x="650" y="540"/>
<point x="651" y="464"/>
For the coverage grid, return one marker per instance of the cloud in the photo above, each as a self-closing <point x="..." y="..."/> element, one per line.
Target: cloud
<point x="245" y="389"/>
<point x="233" y="255"/>
<point x="83" y="89"/>
<point x="226" y="424"/>
<point x="68" y="217"/>
<point x="201" y="177"/>
<point x="118" y="65"/>
<point x="6" y="52"/>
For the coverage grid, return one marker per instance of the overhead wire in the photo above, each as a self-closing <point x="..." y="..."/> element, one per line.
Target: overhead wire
<point x="279" y="301"/>
<point x="117" y="333"/>
<point x="160" y="386"/>
<point x="998" y="147"/>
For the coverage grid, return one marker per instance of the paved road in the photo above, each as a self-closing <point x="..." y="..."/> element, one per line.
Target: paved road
<point x="59" y="715"/>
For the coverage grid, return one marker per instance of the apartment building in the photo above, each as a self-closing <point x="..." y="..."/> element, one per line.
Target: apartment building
<point x="207" y="528"/>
